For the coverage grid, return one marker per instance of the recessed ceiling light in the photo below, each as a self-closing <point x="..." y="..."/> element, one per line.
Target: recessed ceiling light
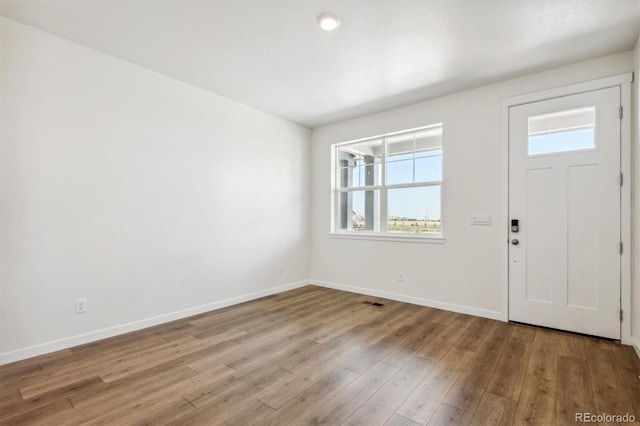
<point x="328" y="22"/>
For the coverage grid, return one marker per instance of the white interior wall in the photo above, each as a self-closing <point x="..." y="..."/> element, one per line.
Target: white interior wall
<point x="151" y="198"/>
<point x="465" y="274"/>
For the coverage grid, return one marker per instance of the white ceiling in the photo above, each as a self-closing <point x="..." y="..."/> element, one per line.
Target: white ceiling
<point x="271" y="54"/>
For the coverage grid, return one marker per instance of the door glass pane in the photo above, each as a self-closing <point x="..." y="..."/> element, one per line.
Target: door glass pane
<point x="414" y="210"/>
<point x="564" y="131"/>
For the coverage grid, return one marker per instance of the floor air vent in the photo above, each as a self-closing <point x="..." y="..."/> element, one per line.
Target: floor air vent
<point x="372" y="303"/>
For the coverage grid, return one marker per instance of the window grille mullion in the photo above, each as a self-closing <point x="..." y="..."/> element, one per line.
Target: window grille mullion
<point x="383" y="190"/>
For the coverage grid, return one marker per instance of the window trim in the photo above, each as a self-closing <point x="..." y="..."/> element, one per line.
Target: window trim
<point x="383" y="188"/>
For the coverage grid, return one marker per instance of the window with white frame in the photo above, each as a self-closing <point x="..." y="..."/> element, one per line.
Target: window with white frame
<point x="389" y="185"/>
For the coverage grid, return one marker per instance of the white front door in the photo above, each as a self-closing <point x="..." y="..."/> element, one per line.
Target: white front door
<point x="564" y="191"/>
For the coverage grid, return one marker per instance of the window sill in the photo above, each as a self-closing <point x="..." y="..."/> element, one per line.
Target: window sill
<point x="436" y="239"/>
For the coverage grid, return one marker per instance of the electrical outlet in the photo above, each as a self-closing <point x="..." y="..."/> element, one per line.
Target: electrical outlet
<point x="281" y="270"/>
<point x="400" y="276"/>
<point x="81" y="306"/>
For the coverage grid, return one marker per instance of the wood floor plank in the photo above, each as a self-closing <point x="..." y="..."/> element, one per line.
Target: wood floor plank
<point x="17" y="372"/>
<point x="228" y="315"/>
<point x="129" y="411"/>
<point x="277" y="395"/>
<point x="57" y="384"/>
<point x="211" y="356"/>
<point x="242" y="322"/>
<point x="235" y="350"/>
<point x="220" y="403"/>
<point x="468" y="390"/>
<point x="308" y="400"/>
<point x="439" y="345"/>
<point x="445" y="317"/>
<point x="320" y="356"/>
<point x="471" y="339"/>
<point x="338" y="324"/>
<point x="123" y="410"/>
<point x="168" y="413"/>
<point x="172" y="350"/>
<point x="217" y="413"/>
<point x="10" y="407"/>
<point x="278" y="348"/>
<point x="325" y="308"/>
<point x="574" y="393"/>
<point x="237" y="386"/>
<point x="398" y="355"/>
<point x="11" y="400"/>
<point x="342" y="348"/>
<point x="376" y="352"/>
<point x="40" y="415"/>
<point x="495" y="341"/>
<point x="225" y="336"/>
<point x="537" y="401"/>
<point x="130" y="388"/>
<point x="113" y="347"/>
<point x="383" y="404"/>
<point x="524" y="332"/>
<point x="392" y="315"/>
<point x="629" y="367"/>
<point x="250" y="414"/>
<point x="543" y="361"/>
<point x="345" y="402"/>
<point x="609" y="391"/>
<point x="572" y="345"/>
<point x="423" y="402"/>
<point x="447" y="415"/>
<point x="56" y="358"/>
<point x="494" y="410"/>
<point x="288" y="298"/>
<point x="398" y="420"/>
<point x="507" y="380"/>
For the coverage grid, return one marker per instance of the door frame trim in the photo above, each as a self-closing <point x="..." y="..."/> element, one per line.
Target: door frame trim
<point x="623" y="81"/>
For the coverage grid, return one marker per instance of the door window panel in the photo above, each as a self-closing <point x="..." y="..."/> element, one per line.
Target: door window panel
<point x="561" y="132"/>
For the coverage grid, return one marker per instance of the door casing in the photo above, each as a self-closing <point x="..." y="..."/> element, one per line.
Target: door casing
<point x="623" y="81"/>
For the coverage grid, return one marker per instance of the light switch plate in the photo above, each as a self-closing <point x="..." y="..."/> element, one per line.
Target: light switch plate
<point x="481" y="220"/>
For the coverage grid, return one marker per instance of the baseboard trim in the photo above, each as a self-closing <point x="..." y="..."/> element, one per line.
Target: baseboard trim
<point x="80" y="339"/>
<point x="485" y="313"/>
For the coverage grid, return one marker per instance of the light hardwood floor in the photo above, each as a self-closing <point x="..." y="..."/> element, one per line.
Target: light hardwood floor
<point x="321" y="356"/>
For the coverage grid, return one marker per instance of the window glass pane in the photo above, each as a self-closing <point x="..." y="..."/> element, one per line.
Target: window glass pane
<point x="429" y="168"/>
<point x="400" y="159"/>
<point x="399" y="171"/>
<point x="360" y="210"/>
<point x="415" y="157"/>
<point x="359" y="164"/>
<point x="414" y="210"/>
<point x="429" y="141"/>
<point x="563" y="131"/>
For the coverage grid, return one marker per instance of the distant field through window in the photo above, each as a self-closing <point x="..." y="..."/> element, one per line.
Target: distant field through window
<point x="389" y="184"/>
